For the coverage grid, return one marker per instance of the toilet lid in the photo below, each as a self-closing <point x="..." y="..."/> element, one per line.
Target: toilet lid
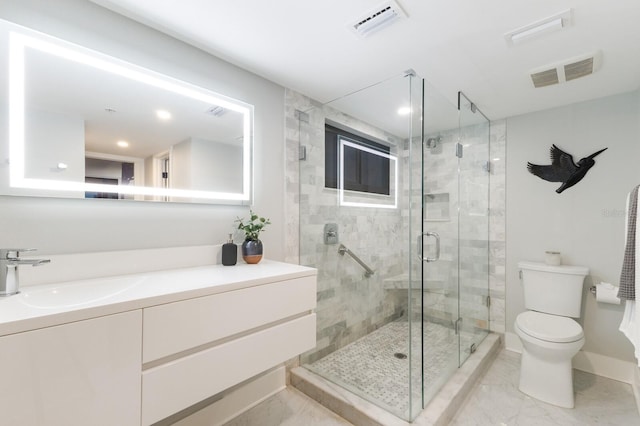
<point x="551" y="328"/>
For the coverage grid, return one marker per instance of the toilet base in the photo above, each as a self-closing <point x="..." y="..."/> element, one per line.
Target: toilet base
<point x="550" y="382"/>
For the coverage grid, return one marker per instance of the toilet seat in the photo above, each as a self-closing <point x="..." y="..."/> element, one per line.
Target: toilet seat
<point x="550" y="328"/>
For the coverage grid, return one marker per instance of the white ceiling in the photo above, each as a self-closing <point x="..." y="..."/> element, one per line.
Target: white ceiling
<point x="456" y="45"/>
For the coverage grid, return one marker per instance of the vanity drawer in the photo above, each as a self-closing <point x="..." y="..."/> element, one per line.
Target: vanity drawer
<point x="176" y="385"/>
<point x="180" y="326"/>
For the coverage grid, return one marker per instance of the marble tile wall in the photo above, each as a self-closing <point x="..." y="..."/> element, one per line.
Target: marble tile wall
<point x="497" y="224"/>
<point x="441" y="289"/>
<point x="349" y="305"/>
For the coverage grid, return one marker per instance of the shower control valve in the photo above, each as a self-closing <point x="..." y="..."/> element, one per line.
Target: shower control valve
<point x="331" y="233"/>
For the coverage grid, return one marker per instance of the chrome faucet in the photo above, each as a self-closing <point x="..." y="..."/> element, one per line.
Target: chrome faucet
<point x="9" y="261"/>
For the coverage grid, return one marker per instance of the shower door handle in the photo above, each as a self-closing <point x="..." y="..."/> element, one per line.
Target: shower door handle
<point x="429" y="234"/>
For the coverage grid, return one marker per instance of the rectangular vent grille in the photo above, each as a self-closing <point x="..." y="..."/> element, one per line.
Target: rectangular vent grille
<point x="376" y="15"/>
<point x="216" y="111"/>
<point x="578" y="69"/>
<point x="545" y="78"/>
<point x="378" y="18"/>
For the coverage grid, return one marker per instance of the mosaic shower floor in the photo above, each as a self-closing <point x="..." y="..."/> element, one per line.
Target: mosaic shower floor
<point x="373" y="366"/>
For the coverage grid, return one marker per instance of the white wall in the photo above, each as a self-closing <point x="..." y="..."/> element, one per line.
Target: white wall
<point x="57" y="138"/>
<point x="52" y="138"/>
<point x="202" y="164"/>
<point x="217" y="166"/>
<point x="66" y="226"/>
<point x="180" y="165"/>
<point x="585" y="222"/>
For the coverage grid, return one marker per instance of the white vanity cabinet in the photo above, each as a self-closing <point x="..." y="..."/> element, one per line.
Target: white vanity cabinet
<point x="81" y="373"/>
<point x="135" y="349"/>
<point x="196" y="348"/>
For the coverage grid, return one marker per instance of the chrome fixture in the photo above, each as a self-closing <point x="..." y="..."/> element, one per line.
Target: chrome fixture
<point x="420" y="241"/>
<point x="331" y="233"/>
<point x="9" y="261"/>
<point x="367" y="270"/>
<point x="433" y="142"/>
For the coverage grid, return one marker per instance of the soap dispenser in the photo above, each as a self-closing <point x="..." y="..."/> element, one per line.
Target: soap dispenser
<point x="229" y="252"/>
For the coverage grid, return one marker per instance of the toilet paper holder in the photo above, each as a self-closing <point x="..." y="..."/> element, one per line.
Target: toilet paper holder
<point x="605" y="293"/>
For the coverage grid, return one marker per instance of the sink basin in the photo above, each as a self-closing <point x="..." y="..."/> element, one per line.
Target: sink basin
<point x="77" y="294"/>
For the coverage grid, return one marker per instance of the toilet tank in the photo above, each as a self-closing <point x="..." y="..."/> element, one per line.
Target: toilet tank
<point x="553" y="289"/>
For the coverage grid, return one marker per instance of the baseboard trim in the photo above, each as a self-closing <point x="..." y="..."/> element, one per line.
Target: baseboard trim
<point x="605" y="366"/>
<point x="590" y="362"/>
<point x="512" y="342"/>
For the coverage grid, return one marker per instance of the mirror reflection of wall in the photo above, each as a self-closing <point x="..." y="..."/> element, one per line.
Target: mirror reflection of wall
<point x="52" y="139"/>
<point x="198" y="163"/>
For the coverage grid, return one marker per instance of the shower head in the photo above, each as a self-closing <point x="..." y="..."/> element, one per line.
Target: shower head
<point x="433" y="142"/>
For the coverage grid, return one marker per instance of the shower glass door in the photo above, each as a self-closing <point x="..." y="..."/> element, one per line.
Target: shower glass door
<point x="473" y="226"/>
<point x="438" y="230"/>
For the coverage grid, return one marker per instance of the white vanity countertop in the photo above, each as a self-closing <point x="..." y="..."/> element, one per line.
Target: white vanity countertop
<point x="54" y="304"/>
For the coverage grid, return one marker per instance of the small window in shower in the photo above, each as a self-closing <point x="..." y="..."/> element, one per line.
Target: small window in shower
<point x="365" y="169"/>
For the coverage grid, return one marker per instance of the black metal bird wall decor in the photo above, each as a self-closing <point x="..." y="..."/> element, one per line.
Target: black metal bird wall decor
<point x="563" y="169"/>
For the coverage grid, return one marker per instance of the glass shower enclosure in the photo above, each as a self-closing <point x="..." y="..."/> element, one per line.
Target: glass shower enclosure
<point x="393" y="202"/>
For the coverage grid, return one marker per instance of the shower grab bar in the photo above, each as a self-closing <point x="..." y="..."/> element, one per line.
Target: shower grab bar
<point x="429" y="259"/>
<point x="367" y="271"/>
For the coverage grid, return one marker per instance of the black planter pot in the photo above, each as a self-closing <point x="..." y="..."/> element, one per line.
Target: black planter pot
<point x="252" y="251"/>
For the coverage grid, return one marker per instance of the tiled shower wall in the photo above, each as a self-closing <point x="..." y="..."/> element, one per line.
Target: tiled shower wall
<point x="350" y="305"/>
<point x="444" y="194"/>
<point x="497" y="224"/>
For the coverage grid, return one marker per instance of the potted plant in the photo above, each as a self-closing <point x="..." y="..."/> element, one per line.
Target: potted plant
<point x="252" y="246"/>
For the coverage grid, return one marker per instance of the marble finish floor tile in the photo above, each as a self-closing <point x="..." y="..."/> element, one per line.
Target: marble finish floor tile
<point x="288" y="407"/>
<point x="496" y="400"/>
<point x="377" y="366"/>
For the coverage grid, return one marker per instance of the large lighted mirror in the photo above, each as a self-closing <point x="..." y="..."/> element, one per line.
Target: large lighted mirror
<point x="86" y="125"/>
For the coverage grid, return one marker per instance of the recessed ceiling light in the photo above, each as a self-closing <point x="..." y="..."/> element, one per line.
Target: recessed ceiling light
<point x="163" y="114"/>
<point x="536" y="29"/>
<point x="122" y="144"/>
<point x="404" y="110"/>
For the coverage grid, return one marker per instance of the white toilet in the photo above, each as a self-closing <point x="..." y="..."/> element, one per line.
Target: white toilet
<point x="550" y="338"/>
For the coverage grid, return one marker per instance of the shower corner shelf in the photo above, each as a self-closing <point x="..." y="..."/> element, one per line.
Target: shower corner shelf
<point x="437" y="207"/>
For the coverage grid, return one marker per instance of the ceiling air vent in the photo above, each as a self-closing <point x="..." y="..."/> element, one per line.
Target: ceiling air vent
<point x="378" y="18"/>
<point x="545" y="78"/>
<point x="578" y="69"/>
<point x="216" y="111"/>
<point x="567" y="70"/>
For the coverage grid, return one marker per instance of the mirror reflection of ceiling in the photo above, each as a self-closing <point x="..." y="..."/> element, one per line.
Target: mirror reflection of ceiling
<point x="115" y="108"/>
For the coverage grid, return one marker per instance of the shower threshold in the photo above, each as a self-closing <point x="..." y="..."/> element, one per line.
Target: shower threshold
<point x="359" y="411"/>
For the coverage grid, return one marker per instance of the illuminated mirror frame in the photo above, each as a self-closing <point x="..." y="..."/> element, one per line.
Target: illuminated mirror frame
<point x="341" y="191"/>
<point x="19" y="42"/>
